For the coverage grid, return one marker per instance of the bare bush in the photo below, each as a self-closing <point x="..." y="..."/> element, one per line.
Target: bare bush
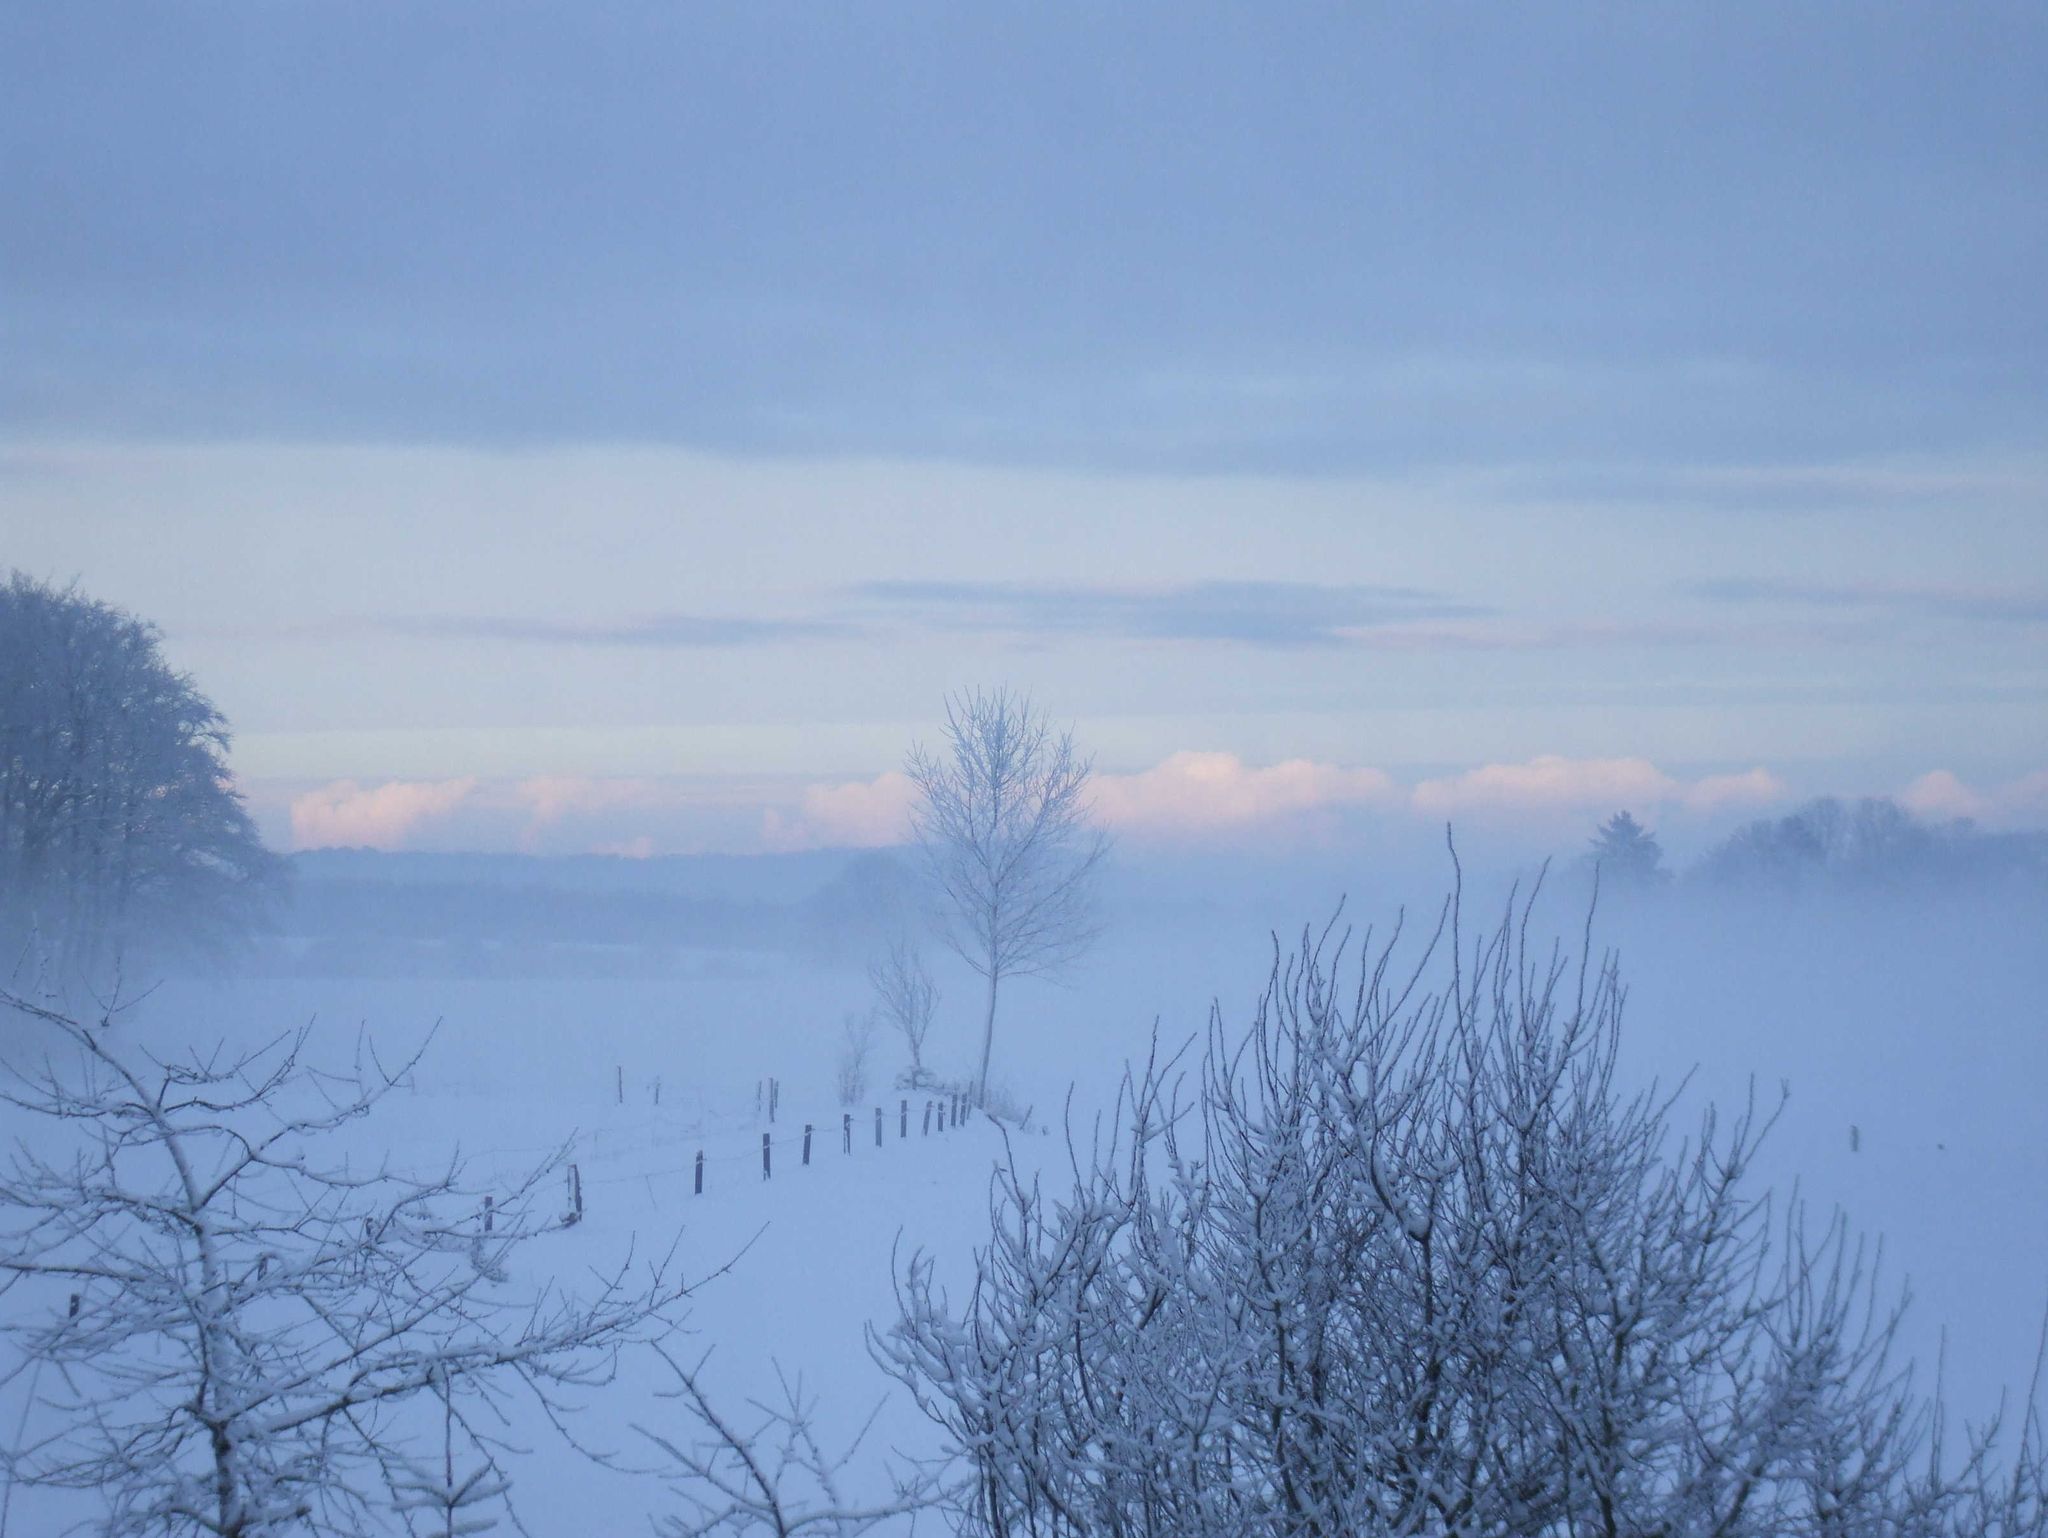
<point x="1407" y="1260"/>
<point x="244" y="1329"/>
<point x="771" y="1476"/>
<point x="856" y="1049"/>
<point x="907" y="998"/>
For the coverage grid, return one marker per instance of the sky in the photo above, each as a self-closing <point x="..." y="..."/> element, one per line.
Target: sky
<point x="620" y="426"/>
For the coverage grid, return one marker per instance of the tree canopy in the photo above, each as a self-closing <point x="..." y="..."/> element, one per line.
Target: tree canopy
<point x="119" y="822"/>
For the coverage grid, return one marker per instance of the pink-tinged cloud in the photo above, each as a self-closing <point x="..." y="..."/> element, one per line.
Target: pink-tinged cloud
<point x="1730" y="792"/>
<point x="1194" y="794"/>
<point x="1553" y="784"/>
<point x="547" y="801"/>
<point x="2015" y="803"/>
<point x="853" y="814"/>
<point x="380" y="816"/>
<point x="1547" y="783"/>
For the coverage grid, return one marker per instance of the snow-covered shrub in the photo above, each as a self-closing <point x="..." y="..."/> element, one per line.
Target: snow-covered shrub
<point x="246" y="1328"/>
<point x="1404" y="1257"/>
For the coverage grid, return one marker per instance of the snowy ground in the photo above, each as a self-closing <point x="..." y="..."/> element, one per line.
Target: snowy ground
<point x="1922" y="1027"/>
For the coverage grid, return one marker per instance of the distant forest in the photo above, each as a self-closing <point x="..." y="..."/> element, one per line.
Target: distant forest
<point x="361" y="912"/>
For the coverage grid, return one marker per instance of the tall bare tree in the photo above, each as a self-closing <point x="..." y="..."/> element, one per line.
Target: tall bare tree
<point x="1001" y="819"/>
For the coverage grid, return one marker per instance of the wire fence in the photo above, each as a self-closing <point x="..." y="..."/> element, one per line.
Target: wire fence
<point x="718" y="1160"/>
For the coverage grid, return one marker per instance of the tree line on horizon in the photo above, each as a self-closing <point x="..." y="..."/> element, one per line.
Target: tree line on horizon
<point x="1869" y="844"/>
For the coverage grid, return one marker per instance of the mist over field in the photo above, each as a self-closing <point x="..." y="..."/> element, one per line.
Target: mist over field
<point x="1023" y="770"/>
<point x="1911" y="1013"/>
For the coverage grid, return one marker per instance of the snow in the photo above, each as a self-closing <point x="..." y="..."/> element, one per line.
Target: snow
<point x="1920" y="1024"/>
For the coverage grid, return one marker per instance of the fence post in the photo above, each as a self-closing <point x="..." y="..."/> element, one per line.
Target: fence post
<point x="927" y="1119"/>
<point x="657" y="1089"/>
<point x="621" y="1072"/>
<point x="903" y="1118"/>
<point x="767" y="1169"/>
<point x="878" y="1126"/>
<point x="575" y="1194"/>
<point x="700" y="1174"/>
<point x="774" y="1097"/>
<point x="488" y="1214"/>
<point x="846" y="1132"/>
<point x="807" y="1142"/>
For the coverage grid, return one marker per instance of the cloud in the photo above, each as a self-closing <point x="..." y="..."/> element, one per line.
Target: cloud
<point x="1903" y="600"/>
<point x="654" y="631"/>
<point x="1194" y="793"/>
<point x="1197" y="797"/>
<point x="2021" y="802"/>
<point x="1551" y="783"/>
<point x="1279" y="614"/>
<point x="382" y="817"/>
<point x="850" y="814"/>
<point x="1721" y="792"/>
<point x="551" y="797"/>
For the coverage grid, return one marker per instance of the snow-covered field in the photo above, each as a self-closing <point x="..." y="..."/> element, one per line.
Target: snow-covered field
<point x="1921" y="1026"/>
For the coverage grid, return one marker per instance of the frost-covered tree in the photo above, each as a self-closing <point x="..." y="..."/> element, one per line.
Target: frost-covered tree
<point x="1404" y="1258"/>
<point x="1002" y="823"/>
<point x="233" y="1331"/>
<point x="118" y="820"/>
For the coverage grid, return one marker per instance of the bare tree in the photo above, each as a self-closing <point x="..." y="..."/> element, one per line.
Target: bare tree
<point x="244" y="1331"/>
<point x="1411" y="1263"/>
<point x="907" y="998"/>
<point x="1002" y="823"/>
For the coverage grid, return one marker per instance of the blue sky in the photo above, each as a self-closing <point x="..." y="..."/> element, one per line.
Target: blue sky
<point x="619" y="425"/>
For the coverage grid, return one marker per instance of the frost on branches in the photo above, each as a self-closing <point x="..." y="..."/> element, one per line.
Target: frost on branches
<point x="1403" y="1258"/>
<point x="226" y="1332"/>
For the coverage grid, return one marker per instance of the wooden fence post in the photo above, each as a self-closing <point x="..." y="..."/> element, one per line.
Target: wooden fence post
<point x="489" y="1215"/>
<point x="807" y="1142"/>
<point x="846" y="1132"/>
<point x="927" y="1119"/>
<point x="878" y="1126"/>
<point x="575" y="1194"/>
<point x="903" y="1118"/>
<point x="699" y="1191"/>
<point x="767" y="1168"/>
